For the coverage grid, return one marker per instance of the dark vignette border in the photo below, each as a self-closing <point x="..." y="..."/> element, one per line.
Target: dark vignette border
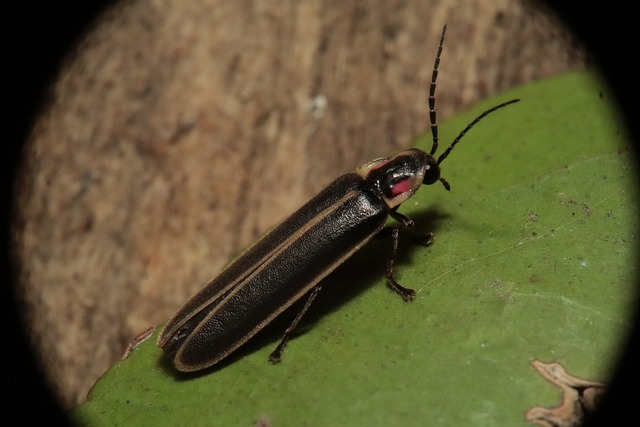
<point x="38" y="34"/>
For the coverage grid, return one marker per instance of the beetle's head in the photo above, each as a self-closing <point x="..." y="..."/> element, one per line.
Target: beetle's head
<point x="399" y="176"/>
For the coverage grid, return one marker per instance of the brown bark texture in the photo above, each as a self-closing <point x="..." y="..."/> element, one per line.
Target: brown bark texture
<point x="177" y="132"/>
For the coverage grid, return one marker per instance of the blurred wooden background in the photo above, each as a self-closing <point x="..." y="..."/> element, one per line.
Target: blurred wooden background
<point x="178" y="132"/>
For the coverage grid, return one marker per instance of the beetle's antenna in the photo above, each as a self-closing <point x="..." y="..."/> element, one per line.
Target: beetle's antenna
<point x="432" y="95"/>
<point x="470" y="125"/>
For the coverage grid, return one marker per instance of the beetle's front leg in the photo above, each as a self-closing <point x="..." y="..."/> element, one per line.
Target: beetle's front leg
<point x="424" y="239"/>
<point x="406" y="293"/>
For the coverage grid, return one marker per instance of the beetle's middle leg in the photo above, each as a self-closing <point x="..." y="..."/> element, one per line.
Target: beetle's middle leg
<point x="406" y="293"/>
<point x="276" y="354"/>
<point x="426" y="239"/>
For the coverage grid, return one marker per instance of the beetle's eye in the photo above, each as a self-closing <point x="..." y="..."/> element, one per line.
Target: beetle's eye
<point x="431" y="174"/>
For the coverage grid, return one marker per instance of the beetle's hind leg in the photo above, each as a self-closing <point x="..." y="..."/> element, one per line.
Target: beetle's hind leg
<point x="276" y="354"/>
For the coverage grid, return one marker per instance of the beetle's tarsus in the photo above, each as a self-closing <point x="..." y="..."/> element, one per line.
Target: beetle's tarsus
<point x="276" y="355"/>
<point x="406" y="293"/>
<point x="425" y="239"/>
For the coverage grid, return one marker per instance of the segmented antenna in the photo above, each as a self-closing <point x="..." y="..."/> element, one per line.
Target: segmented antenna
<point x="472" y="124"/>
<point x="432" y="112"/>
<point x="432" y="95"/>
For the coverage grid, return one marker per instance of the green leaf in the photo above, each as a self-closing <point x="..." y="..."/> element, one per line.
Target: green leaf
<point x="532" y="259"/>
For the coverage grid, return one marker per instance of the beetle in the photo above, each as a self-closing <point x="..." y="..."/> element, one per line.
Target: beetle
<point x="290" y="261"/>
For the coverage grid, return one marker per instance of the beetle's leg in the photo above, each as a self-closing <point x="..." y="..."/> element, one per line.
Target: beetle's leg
<point x="275" y="356"/>
<point x="406" y="293"/>
<point x="424" y="239"/>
